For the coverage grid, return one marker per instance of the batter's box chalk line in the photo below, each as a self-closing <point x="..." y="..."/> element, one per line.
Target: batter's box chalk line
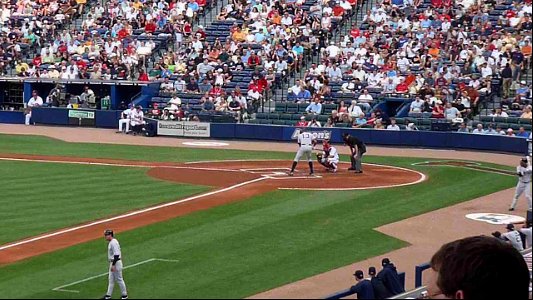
<point x="63" y="287"/>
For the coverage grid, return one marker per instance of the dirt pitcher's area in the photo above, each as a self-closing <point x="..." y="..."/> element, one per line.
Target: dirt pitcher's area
<point x="233" y="181"/>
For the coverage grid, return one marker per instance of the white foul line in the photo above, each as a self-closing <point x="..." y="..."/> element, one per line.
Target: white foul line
<point x="138" y="212"/>
<point x="62" y="288"/>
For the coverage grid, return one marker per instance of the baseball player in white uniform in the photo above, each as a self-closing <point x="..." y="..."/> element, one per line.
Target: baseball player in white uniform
<point x="114" y="257"/>
<point x="514" y="237"/>
<point x="524" y="183"/>
<point x="306" y="141"/>
<point x="329" y="157"/>
<point x="125" y="119"/>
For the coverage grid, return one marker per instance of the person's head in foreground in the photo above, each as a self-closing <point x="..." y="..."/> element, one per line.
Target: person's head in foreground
<point x="478" y="268"/>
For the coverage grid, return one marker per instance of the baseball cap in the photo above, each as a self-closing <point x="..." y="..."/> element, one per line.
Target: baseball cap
<point x="108" y="232"/>
<point x="385" y="261"/>
<point x="524" y="159"/>
<point x="359" y="274"/>
<point x="510" y="227"/>
<point x="372" y="271"/>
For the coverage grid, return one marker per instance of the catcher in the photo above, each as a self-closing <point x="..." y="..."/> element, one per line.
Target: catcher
<point x="329" y="157"/>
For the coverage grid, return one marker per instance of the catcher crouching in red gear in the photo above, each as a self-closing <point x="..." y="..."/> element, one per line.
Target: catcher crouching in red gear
<point x="329" y="157"/>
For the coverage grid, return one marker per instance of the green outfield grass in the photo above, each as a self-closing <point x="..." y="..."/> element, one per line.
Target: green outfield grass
<point x="243" y="248"/>
<point x="38" y="145"/>
<point x="40" y="197"/>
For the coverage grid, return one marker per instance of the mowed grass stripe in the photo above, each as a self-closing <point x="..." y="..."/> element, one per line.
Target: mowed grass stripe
<point x="240" y="249"/>
<point x="37" y="145"/>
<point x="41" y="197"/>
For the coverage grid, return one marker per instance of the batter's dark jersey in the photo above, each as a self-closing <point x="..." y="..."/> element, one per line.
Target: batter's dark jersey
<point x="352" y="141"/>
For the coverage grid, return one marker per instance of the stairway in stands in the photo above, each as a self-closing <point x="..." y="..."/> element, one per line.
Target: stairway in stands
<point x="280" y="93"/>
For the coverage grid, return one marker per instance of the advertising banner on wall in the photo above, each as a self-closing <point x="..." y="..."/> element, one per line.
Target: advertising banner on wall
<point x="318" y="135"/>
<point x="184" y="129"/>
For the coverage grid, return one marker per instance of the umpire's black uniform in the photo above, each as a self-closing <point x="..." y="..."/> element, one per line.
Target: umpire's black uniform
<point x="357" y="156"/>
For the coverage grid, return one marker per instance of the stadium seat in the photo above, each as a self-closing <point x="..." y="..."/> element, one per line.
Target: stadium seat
<point x="296" y="117"/>
<point x="280" y="107"/>
<point x="328" y="108"/>
<point x="278" y="122"/>
<point x="302" y="107"/>
<point x="261" y="116"/>
<point x="500" y="120"/>
<point x="486" y="119"/>
<point x="525" y="121"/>
<point x="285" y="117"/>
<point x="273" y="116"/>
<point x="292" y="108"/>
<point x="503" y="125"/>
<point x="323" y="118"/>
<point x="512" y="120"/>
<point x="290" y="123"/>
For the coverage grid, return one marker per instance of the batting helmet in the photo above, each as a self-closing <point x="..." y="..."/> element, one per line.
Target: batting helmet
<point x="109" y="232"/>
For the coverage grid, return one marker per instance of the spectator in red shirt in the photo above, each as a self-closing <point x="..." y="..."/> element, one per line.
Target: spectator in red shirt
<point x="253" y="60"/>
<point x="201" y="33"/>
<point x="302" y="122"/>
<point x="402" y="87"/>
<point x="436" y="3"/>
<point x="355" y="33"/>
<point x="441" y="81"/>
<point x="81" y="63"/>
<point x="123" y="33"/>
<point x="201" y="3"/>
<point x="216" y="91"/>
<point x="143" y="76"/>
<point x="338" y="11"/>
<point x="438" y="111"/>
<point x="150" y="27"/>
<point x="62" y="48"/>
<point x="37" y="61"/>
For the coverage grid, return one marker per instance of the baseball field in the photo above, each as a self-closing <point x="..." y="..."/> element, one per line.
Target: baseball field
<point x="203" y="223"/>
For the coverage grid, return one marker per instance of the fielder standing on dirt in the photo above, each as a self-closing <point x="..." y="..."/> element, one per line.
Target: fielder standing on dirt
<point x="114" y="257"/>
<point x="357" y="149"/>
<point x="524" y="183"/>
<point x="306" y="141"/>
<point x="329" y="157"/>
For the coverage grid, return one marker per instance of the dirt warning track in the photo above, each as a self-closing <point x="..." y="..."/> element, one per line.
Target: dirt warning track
<point x="232" y="181"/>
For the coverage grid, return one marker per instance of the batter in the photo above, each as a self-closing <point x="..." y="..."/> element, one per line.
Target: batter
<point x="306" y="141"/>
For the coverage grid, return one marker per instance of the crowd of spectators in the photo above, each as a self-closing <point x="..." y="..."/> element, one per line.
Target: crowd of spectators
<point x="449" y="55"/>
<point x="267" y="38"/>
<point x="26" y="25"/>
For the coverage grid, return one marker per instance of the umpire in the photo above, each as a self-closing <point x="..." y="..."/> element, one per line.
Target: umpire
<point x="357" y="148"/>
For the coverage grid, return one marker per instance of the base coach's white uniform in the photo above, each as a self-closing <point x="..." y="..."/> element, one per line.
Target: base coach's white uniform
<point x="523" y="186"/>
<point x="306" y="141"/>
<point x="113" y="250"/>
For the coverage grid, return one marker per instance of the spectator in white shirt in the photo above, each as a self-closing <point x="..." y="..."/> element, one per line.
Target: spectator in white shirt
<point x="393" y="126"/>
<point x="355" y="110"/>
<point x="451" y="112"/>
<point x="365" y="99"/>
<point x="35" y="101"/>
<point x="417" y="105"/>
<point x="479" y="129"/>
<point x="166" y="86"/>
<point x="498" y="112"/>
